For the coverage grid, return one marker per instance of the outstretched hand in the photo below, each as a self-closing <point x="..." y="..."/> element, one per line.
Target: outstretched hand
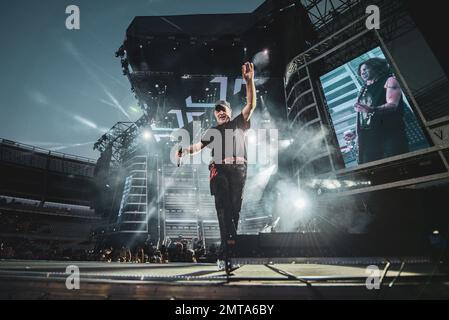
<point x="179" y="154"/>
<point x="248" y="71"/>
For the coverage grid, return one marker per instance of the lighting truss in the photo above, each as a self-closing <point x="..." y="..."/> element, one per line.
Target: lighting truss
<point x="394" y="23"/>
<point x="321" y="12"/>
<point x="330" y="16"/>
<point x="120" y="138"/>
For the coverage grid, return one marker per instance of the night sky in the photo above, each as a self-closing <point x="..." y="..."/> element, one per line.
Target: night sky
<point x="60" y="89"/>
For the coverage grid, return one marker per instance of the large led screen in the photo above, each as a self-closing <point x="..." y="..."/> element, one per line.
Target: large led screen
<point x="371" y="115"/>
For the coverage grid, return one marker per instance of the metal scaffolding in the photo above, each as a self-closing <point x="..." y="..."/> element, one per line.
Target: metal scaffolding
<point x="121" y="138"/>
<point x="321" y="12"/>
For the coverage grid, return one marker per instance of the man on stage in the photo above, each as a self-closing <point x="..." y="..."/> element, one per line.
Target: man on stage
<point x="229" y="167"/>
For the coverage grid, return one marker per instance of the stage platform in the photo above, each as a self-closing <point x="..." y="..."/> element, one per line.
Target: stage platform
<point x="256" y="279"/>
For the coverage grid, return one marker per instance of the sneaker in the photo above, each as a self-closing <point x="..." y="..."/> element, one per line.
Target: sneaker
<point x="234" y="266"/>
<point x="221" y="265"/>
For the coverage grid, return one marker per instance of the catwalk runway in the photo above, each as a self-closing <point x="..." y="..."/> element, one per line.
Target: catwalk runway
<point x="299" y="279"/>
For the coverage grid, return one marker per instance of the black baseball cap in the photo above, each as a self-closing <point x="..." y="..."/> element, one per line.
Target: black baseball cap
<point x="222" y="104"/>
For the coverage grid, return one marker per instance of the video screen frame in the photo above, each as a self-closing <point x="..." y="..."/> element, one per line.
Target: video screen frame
<point x="416" y="132"/>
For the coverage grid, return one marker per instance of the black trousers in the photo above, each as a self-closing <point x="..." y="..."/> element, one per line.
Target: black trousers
<point x="381" y="143"/>
<point x="227" y="184"/>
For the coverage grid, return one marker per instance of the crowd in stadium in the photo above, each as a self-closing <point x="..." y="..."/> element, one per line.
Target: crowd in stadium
<point x="179" y="250"/>
<point x="32" y="236"/>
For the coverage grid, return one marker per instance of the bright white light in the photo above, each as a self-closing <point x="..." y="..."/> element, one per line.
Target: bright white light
<point x="252" y="139"/>
<point x="436" y="232"/>
<point x="147" y="135"/>
<point x="350" y="184"/>
<point x="285" y="143"/>
<point x="266" y="52"/>
<point x="134" y="109"/>
<point x="85" y="122"/>
<point x="300" y="203"/>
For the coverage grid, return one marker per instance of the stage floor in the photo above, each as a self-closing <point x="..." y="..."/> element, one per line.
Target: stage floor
<point x="256" y="280"/>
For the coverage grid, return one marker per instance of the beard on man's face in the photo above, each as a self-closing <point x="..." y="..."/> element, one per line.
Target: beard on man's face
<point x="222" y="114"/>
<point x="222" y="117"/>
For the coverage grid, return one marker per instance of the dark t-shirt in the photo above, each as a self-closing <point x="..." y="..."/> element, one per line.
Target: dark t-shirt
<point x="234" y="140"/>
<point x="375" y="95"/>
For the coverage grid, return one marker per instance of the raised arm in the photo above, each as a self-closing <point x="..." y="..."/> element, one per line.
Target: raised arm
<point x="251" y="98"/>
